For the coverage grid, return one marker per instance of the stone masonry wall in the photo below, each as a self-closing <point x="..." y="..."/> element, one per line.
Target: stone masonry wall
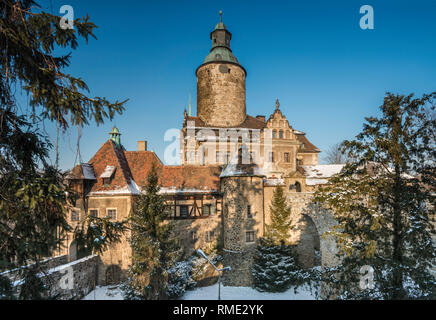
<point x="239" y="192"/>
<point x="73" y="280"/>
<point x="221" y="94"/>
<point x="303" y="213"/>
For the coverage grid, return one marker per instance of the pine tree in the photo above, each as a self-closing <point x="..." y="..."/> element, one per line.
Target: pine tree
<point x="384" y="204"/>
<point x="275" y="267"/>
<point x="280" y="227"/>
<point x="152" y="240"/>
<point x="33" y="194"/>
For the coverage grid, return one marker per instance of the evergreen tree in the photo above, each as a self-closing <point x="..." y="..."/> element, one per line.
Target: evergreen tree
<point x="275" y="267"/>
<point x="278" y="230"/>
<point x="152" y="240"/>
<point x="33" y="196"/>
<point x="384" y="204"/>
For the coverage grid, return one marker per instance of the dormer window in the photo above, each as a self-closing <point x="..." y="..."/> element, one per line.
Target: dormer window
<point x="107" y="174"/>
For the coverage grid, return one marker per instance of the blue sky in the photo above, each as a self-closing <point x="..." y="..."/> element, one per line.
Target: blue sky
<point x="312" y="55"/>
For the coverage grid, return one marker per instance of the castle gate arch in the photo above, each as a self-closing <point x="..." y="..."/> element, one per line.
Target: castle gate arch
<point x="113" y="274"/>
<point x="323" y="221"/>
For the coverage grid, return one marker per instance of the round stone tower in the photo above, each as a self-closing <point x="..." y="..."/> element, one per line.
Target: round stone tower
<point x="221" y="83"/>
<point x="243" y="217"/>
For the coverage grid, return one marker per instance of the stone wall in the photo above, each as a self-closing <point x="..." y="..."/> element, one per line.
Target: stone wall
<point x="239" y="192"/>
<point x="310" y="223"/>
<point x="73" y="280"/>
<point x="221" y="94"/>
<point x="13" y="275"/>
<point x="199" y="233"/>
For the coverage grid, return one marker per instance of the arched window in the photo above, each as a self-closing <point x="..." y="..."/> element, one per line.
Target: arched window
<point x="274" y="134"/>
<point x="297" y="187"/>
<point x="281" y="134"/>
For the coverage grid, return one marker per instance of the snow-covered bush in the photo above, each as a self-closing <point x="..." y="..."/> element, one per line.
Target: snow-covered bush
<point x="180" y="279"/>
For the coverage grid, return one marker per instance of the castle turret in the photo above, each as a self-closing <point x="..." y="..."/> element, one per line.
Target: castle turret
<point x="221" y="83"/>
<point x="115" y="136"/>
<point x="243" y="220"/>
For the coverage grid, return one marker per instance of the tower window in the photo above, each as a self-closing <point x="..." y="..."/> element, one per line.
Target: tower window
<point x="249" y="213"/>
<point x="209" y="236"/>
<point x="287" y="157"/>
<point x="281" y="134"/>
<point x="274" y="134"/>
<point x="194" y="236"/>
<point x="250" y="237"/>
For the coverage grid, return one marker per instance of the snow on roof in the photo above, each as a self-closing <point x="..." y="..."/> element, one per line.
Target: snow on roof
<point x="322" y="170"/>
<point x="320" y="173"/>
<point x="234" y="168"/>
<point x="187" y="190"/>
<point x="108" y="172"/>
<point x="123" y="190"/>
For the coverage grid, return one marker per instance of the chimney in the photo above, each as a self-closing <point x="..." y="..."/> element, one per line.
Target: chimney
<point x="142" y="145"/>
<point x="261" y="118"/>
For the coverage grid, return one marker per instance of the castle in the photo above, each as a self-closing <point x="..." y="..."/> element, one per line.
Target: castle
<point x="230" y="164"/>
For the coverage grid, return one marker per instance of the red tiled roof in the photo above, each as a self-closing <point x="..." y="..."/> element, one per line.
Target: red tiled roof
<point x="308" y="146"/>
<point x="111" y="155"/>
<point x="133" y="167"/>
<point x="140" y="163"/>
<point x="191" y="177"/>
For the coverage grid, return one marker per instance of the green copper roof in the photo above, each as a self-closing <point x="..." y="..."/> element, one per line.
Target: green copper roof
<point x="220" y="26"/>
<point x="115" y="130"/>
<point x="221" y="54"/>
<point x="115" y="135"/>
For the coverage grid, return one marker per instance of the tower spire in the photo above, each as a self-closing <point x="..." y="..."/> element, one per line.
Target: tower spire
<point x="277" y="104"/>
<point x="221" y="16"/>
<point x="190" y="107"/>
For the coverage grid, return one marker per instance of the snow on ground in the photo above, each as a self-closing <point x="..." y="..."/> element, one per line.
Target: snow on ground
<point x="211" y="293"/>
<point x="105" y="293"/>
<point x="244" y="293"/>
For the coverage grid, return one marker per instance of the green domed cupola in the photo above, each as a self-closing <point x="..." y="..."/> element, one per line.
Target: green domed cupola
<point x="115" y="136"/>
<point x="221" y="51"/>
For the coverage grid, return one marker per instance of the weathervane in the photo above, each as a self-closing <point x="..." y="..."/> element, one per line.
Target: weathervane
<point x="221" y="16"/>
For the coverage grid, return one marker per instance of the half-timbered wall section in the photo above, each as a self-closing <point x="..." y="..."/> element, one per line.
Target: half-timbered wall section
<point x="193" y="206"/>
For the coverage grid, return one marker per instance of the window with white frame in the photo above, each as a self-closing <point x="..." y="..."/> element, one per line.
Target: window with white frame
<point x="111" y="213"/>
